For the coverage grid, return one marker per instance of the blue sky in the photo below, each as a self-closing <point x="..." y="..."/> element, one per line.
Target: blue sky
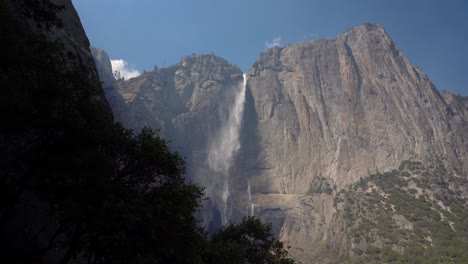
<point x="433" y="34"/>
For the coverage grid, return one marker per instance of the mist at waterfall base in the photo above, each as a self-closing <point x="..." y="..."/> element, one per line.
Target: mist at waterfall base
<point x="223" y="151"/>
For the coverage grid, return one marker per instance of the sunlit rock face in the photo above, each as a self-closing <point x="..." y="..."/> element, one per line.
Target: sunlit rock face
<point x="340" y="109"/>
<point x="104" y="68"/>
<point x="318" y="116"/>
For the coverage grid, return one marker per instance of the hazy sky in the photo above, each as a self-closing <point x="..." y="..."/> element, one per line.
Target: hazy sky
<point x="433" y="34"/>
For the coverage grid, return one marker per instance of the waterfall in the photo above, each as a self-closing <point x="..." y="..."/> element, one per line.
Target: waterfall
<point x="225" y="147"/>
<point x="249" y="192"/>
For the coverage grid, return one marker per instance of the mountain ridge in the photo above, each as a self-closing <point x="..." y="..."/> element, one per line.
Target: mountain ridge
<point x="319" y="117"/>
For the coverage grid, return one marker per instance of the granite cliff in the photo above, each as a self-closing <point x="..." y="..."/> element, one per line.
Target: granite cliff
<point x="320" y="117"/>
<point x="330" y="112"/>
<point x="346" y="108"/>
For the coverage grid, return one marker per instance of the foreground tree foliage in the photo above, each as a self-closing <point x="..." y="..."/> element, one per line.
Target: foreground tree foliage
<point x="74" y="186"/>
<point x="250" y="241"/>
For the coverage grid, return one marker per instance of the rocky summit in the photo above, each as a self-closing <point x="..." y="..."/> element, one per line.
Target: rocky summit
<point x="341" y="140"/>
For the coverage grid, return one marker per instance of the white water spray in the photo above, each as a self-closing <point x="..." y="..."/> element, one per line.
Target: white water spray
<point x="224" y="149"/>
<point x="249" y="192"/>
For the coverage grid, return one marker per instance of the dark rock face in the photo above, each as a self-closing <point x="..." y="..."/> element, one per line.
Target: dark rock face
<point x="76" y="42"/>
<point x="318" y="116"/>
<point x="50" y="88"/>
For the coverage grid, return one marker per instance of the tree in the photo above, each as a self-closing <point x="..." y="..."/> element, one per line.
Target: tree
<point x="74" y="185"/>
<point x="72" y="182"/>
<point x="147" y="212"/>
<point x="250" y="241"/>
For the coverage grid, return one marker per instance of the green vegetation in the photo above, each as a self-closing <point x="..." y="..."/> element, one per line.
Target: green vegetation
<point x="74" y="185"/>
<point x="320" y="185"/>
<point x="415" y="214"/>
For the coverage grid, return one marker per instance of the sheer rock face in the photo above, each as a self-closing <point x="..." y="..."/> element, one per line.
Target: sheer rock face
<point x="109" y="83"/>
<point x="187" y="103"/>
<point x="104" y="68"/>
<point x="341" y="109"/>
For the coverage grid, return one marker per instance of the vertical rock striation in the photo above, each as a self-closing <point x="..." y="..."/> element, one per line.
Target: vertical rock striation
<point x="340" y="110"/>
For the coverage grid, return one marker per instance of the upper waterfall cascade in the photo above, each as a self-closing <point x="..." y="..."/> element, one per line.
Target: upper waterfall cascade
<point x="224" y="150"/>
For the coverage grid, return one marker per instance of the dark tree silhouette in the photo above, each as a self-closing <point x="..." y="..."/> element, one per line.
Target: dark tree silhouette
<point x="250" y="241"/>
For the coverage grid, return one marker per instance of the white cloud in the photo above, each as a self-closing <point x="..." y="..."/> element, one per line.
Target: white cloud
<point x="276" y="42"/>
<point x="125" y="70"/>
